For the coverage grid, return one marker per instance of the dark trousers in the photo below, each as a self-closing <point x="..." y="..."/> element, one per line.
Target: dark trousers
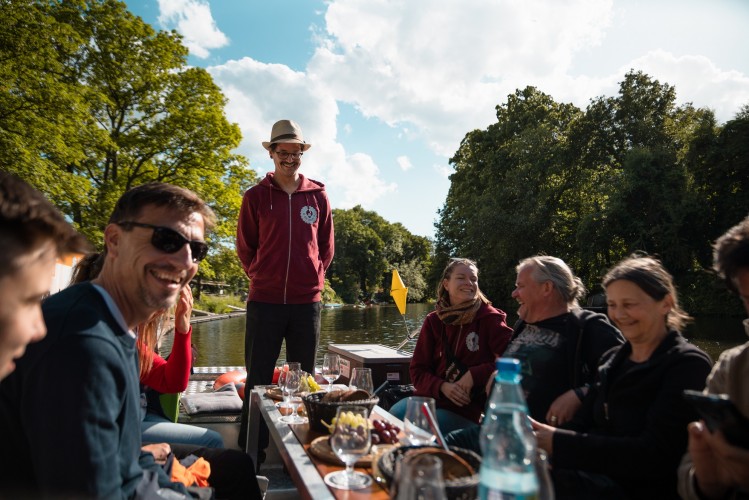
<point x="267" y="326"/>
<point x="232" y="471"/>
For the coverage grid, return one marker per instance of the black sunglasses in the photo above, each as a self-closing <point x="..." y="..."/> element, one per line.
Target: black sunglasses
<point x="168" y="240"/>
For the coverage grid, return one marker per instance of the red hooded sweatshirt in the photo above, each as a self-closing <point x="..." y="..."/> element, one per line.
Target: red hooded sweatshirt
<point x="285" y="241"/>
<point x="476" y="345"/>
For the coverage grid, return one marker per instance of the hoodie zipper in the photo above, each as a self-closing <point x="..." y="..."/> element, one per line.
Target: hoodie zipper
<point x="288" y="258"/>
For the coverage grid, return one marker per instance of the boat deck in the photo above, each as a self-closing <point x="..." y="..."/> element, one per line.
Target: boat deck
<point x="280" y="484"/>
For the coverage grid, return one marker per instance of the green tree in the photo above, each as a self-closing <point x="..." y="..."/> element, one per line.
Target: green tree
<point x="147" y="116"/>
<point x="359" y="263"/>
<point x="368" y="248"/>
<point x="631" y="172"/>
<point x="505" y="194"/>
<point x="42" y="103"/>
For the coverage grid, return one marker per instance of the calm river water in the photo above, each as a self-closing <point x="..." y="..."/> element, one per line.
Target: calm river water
<point x="221" y="342"/>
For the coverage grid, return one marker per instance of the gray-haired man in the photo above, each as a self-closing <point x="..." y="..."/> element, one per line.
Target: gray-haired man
<point x="558" y="343"/>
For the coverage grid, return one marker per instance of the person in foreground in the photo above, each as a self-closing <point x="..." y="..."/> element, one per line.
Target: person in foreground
<point x="157" y="373"/>
<point x="32" y="235"/>
<point x="458" y="344"/>
<point x="714" y="468"/>
<point x="627" y="438"/>
<point x="70" y="414"/>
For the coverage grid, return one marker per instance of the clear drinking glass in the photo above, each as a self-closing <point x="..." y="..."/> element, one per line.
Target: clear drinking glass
<point x="331" y="368"/>
<point x="296" y="400"/>
<point x="361" y="378"/>
<point x="350" y="440"/>
<point x="419" y="477"/>
<point x="415" y="422"/>
<point x="291" y="380"/>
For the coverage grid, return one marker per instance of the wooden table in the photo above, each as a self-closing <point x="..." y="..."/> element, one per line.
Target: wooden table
<point x="292" y="442"/>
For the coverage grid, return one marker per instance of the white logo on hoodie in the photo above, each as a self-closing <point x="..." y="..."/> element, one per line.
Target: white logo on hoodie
<point x="309" y="214"/>
<point x="472" y="342"/>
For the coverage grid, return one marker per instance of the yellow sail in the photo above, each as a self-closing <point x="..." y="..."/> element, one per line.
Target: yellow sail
<point x="399" y="291"/>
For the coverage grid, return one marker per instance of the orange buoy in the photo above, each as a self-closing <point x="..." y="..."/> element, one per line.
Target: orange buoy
<point x="239" y="378"/>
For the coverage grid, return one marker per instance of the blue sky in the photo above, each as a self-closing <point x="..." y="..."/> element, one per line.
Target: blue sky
<point x="385" y="90"/>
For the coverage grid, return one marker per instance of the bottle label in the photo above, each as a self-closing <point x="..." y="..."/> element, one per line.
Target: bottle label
<point x="494" y="494"/>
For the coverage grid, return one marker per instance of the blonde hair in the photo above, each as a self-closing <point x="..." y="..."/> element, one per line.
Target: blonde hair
<point x="147" y="339"/>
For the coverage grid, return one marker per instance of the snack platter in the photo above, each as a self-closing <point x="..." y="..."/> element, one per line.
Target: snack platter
<point x="274" y="392"/>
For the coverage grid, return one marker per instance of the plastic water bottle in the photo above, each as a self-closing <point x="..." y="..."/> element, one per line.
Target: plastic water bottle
<point x="507" y="441"/>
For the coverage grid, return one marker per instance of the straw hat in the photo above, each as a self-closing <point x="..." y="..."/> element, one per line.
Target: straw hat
<point x="287" y="131"/>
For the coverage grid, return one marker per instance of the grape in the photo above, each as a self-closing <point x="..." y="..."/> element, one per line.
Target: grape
<point x="379" y="425"/>
<point x="375" y="438"/>
<point x="395" y="429"/>
<point x="386" y="437"/>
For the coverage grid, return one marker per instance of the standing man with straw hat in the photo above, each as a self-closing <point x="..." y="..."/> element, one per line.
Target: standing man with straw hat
<point x="285" y="244"/>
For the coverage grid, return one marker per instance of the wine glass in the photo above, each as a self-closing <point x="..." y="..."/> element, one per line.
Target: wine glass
<point x="420" y="477"/>
<point x="289" y="381"/>
<point x="361" y="378"/>
<point x="296" y="400"/>
<point x="350" y="440"/>
<point x="331" y="368"/>
<point x="281" y="382"/>
<point x="416" y="424"/>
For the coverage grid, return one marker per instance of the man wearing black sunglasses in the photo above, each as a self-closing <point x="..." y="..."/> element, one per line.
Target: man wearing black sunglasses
<point x="285" y="244"/>
<point x="71" y="417"/>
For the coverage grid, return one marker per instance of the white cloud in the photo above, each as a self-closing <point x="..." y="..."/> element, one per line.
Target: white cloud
<point x="443" y="170"/>
<point x="404" y="163"/>
<point x="436" y="69"/>
<point x="194" y="21"/>
<point x="697" y="80"/>
<point x="440" y="70"/>
<point x="351" y="179"/>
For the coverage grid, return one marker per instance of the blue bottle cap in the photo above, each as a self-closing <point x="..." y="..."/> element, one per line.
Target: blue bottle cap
<point x="509" y="366"/>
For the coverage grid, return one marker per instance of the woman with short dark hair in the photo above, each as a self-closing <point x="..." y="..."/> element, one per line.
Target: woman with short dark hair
<point x="631" y="431"/>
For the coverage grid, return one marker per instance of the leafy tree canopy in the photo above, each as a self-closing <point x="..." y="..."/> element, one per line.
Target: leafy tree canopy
<point x="368" y="248"/>
<point x="632" y="172"/>
<point x="94" y="101"/>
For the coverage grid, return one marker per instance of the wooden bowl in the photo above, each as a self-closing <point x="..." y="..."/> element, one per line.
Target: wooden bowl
<point x="459" y="468"/>
<point x="317" y="411"/>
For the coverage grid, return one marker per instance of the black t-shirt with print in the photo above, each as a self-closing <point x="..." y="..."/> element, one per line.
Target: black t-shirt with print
<point x="542" y="351"/>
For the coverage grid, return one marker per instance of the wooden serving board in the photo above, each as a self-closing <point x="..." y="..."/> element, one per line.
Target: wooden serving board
<point x="320" y="448"/>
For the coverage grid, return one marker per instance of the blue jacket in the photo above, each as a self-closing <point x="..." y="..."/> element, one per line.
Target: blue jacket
<point x="69" y="414"/>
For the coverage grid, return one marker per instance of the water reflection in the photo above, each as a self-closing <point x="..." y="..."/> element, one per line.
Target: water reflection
<point x="715" y="334"/>
<point x="222" y="342"/>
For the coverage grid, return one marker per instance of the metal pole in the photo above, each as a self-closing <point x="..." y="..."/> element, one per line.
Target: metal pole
<point x="408" y="334"/>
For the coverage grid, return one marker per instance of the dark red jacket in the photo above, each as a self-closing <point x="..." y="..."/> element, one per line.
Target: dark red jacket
<point x="285" y="241"/>
<point x="478" y="345"/>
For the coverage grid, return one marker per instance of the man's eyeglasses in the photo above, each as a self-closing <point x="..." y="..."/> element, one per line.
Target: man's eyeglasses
<point x="168" y="240"/>
<point x="284" y="155"/>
